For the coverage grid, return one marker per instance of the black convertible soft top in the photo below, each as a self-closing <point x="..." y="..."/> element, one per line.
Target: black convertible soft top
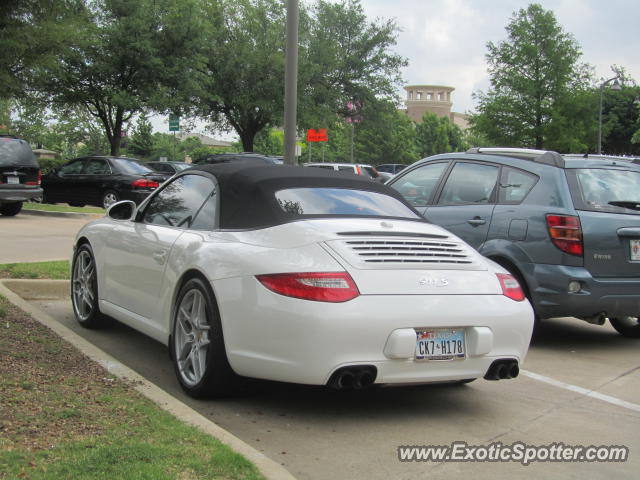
<point x="247" y="190"/>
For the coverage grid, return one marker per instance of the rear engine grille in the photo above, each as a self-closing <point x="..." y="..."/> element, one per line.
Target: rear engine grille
<point x="409" y="251"/>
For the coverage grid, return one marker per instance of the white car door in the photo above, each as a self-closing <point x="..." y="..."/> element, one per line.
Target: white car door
<point x="137" y="252"/>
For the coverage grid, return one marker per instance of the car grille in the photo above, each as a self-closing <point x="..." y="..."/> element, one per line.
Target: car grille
<point x="406" y="253"/>
<point x="379" y="251"/>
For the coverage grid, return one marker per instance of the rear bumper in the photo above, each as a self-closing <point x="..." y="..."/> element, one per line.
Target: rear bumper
<point x="279" y="338"/>
<point x="615" y="297"/>
<point x="19" y="194"/>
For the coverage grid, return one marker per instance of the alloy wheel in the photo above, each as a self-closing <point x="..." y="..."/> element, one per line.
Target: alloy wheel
<point x="83" y="285"/>
<point x="192" y="337"/>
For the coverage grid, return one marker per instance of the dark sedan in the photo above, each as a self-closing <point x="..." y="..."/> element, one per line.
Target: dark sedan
<point x="100" y="181"/>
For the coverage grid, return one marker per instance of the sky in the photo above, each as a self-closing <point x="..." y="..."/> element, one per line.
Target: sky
<point x="445" y="41"/>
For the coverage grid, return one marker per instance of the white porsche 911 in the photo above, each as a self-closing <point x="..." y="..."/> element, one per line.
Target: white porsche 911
<point x="298" y="275"/>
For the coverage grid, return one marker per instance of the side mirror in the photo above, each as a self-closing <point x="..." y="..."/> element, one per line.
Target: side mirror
<point x="124" y="210"/>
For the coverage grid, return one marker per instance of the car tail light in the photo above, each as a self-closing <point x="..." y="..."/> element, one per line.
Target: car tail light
<point x="510" y="287"/>
<point x="566" y="233"/>
<point x="358" y="170"/>
<point x="144" y="183"/>
<point x="332" y="287"/>
<point x="37" y="182"/>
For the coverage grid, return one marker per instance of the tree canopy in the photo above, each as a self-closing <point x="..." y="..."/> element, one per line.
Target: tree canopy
<point x="533" y="74"/>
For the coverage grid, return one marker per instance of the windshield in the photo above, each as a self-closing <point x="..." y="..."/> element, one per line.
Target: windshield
<point x="131" y="167"/>
<point x="607" y="190"/>
<point x="340" y="201"/>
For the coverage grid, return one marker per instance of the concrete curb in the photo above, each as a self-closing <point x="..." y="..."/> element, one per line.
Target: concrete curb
<point x="45" y="213"/>
<point x="43" y="289"/>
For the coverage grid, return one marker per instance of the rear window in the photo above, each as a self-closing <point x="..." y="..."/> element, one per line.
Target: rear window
<point x="599" y="189"/>
<point x="340" y="201"/>
<point x="16" y="152"/>
<point x="131" y="166"/>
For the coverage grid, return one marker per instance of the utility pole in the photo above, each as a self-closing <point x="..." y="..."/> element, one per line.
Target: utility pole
<point x="291" y="84"/>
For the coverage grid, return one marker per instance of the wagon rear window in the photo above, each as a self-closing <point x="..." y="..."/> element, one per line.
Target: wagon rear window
<point x="340" y="201"/>
<point x="607" y="190"/>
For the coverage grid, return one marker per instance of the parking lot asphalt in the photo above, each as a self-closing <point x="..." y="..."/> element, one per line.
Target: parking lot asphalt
<point x="34" y="238"/>
<point x="321" y="434"/>
<point x="580" y="386"/>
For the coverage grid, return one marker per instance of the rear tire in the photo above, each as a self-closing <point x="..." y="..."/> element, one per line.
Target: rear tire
<point x="109" y="197"/>
<point x="10" y="209"/>
<point x="197" y="343"/>
<point x="627" y="326"/>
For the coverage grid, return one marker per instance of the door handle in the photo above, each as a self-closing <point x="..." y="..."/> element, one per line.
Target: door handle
<point x="476" y="221"/>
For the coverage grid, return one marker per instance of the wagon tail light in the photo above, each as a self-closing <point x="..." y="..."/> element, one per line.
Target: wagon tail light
<point x="566" y="233"/>
<point x="144" y="183"/>
<point x="334" y="287"/>
<point x="510" y="287"/>
<point x="38" y="182"/>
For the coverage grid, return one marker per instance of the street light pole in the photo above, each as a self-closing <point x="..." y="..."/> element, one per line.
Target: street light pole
<point x="615" y="86"/>
<point x="291" y="84"/>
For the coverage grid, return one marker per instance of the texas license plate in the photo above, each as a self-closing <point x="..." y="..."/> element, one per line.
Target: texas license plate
<point x="634" y="246"/>
<point x="440" y="344"/>
<point x="13" y="180"/>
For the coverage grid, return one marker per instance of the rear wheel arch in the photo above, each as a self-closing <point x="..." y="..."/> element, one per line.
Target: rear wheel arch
<point x="186" y="276"/>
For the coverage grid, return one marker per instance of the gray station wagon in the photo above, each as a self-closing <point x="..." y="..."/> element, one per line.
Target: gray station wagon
<point x="568" y="227"/>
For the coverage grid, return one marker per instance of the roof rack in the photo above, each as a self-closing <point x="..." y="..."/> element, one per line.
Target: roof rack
<point x="548" y="157"/>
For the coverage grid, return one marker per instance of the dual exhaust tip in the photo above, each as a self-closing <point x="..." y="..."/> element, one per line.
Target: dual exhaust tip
<point x="503" y="369"/>
<point x="353" y="378"/>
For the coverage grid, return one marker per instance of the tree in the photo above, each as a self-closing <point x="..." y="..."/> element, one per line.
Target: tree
<point x="436" y="135"/>
<point x="621" y="120"/>
<point x="130" y="56"/>
<point x="342" y="57"/>
<point x="385" y="135"/>
<point x="141" y="142"/>
<point x="31" y="33"/>
<point x="530" y="75"/>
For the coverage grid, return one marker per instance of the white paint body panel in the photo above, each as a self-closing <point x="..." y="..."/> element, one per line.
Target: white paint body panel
<point x="275" y="337"/>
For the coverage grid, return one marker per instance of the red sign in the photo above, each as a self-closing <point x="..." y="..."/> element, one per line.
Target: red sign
<point x="319" y="135"/>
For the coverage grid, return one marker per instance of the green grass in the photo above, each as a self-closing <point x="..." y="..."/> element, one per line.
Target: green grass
<point x="55" y="270"/>
<point x="67" y="418"/>
<point x="61" y="208"/>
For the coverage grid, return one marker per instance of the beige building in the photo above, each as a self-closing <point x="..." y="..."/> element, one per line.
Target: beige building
<point x="435" y="99"/>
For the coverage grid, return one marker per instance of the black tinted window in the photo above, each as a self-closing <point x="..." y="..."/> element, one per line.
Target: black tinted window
<point x="469" y="183"/>
<point x="96" y="166"/>
<point x="72" y="168"/>
<point x="418" y="185"/>
<point x="340" y="201"/>
<point x="178" y="203"/>
<point x="515" y="185"/>
<point x="130" y="167"/>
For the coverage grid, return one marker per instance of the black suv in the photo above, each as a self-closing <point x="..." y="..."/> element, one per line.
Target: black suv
<point x="568" y="227"/>
<point x="19" y="175"/>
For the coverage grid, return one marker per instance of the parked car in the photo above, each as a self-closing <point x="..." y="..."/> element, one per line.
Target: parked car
<point x="100" y="181"/>
<point x="234" y="157"/>
<point x="392" y="168"/>
<point x="567" y="227"/>
<point x="355" y="168"/>
<point x="298" y="275"/>
<point x="170" y="168"/>
<point x="19" y="175"/>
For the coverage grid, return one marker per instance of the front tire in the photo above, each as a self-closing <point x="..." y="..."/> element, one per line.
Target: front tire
<point x="84" y="288"/>
<point x="627" y="326"/>
<point x="10" y="209"/>
<point x="197" y="343"/>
